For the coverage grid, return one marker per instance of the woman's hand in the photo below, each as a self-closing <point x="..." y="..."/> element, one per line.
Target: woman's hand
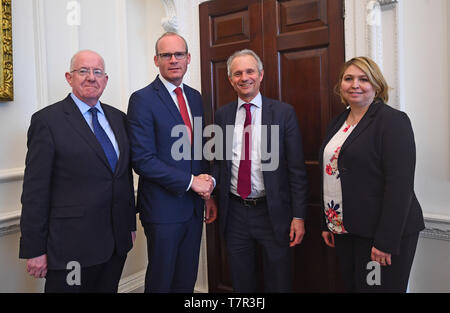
<point x="380" y="257"/>
<point x="328" y="237"/>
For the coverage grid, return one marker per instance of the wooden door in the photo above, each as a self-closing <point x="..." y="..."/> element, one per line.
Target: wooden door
<point x="301" y="44"/>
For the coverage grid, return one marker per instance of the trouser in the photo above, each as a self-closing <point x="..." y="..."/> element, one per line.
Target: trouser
<point x="173" y="252"/>
<point x="246" y="228"/>
<point x="101" y="278"/>
<point x="359" y="275"/>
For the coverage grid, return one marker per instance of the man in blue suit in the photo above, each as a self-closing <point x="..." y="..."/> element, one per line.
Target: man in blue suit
<point x="171" y="185"/>
<point x="262" y="200"/>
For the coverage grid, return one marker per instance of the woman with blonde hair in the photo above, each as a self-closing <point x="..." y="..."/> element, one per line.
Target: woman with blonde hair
<point x="371" y="213"/>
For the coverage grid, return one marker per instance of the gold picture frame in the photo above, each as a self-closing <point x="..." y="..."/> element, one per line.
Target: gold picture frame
<point x="6" y="55"/>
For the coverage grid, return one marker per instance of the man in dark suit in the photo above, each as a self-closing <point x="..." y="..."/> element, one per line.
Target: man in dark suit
<point x="171" y="183"/>
<point x="261" y="200"/>
<point x="78" y="216"/>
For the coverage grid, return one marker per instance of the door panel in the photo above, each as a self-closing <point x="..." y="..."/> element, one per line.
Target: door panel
<point x="301" y="44"/>
<point x="303" y="81"/>
<point x="298" y="15"/>
<point x="225" y="27"/>
<point x="230" y="28"/>
<point x="223" y="91"/>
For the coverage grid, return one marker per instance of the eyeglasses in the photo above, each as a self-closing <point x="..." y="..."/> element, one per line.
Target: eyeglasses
<point x="86" y="71"/>
<point x="168" y="56"/>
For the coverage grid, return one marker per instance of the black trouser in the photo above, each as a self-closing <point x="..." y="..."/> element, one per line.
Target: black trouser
<point x="249" y="226"/>
<point x="354" y="256"/>
<point x="101" y="278"/>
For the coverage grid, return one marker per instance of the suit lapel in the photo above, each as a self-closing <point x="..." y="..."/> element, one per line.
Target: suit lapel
<point x="362" y="125"/>
<point x="267" y="121"/>
<point x="167" y="100"/>
<point x="266" y="118"/>
<point x="77" y="121"/>
<point x="337" y="125"/>
<point x="196" y="109"/>
<point x="230" y="119"/>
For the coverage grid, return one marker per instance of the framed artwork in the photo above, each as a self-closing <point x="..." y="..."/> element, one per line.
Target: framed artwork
<point x="6" y="62"/>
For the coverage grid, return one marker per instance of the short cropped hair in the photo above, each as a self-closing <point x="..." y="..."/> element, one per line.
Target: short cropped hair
<point x="170" y="34"/>
<point x="241" y="53"/>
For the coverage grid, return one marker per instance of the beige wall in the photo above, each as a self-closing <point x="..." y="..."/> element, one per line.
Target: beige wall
<point x="414" y="44"/>
<point x="43" y="44"/>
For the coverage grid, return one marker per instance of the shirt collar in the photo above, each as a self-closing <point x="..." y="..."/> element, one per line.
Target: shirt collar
<point x="256" y="101"/>
<point x="83" y="107"/>
<point x="169" y="86"/>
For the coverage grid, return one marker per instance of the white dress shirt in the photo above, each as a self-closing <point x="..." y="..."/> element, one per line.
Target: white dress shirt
<point x="257" y="180"/>
<point x="171" y="89"/>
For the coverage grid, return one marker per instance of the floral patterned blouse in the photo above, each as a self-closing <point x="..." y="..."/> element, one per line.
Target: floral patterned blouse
<point x="332" y="190"/>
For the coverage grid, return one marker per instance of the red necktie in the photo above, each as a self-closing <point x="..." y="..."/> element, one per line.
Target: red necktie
<point x="244" y="185"/>
<point x="184" y="111"/>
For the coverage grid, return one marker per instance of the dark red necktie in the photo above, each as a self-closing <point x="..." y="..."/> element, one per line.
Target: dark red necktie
<point x="244" y="185"/>
<point x="184" y="111"/>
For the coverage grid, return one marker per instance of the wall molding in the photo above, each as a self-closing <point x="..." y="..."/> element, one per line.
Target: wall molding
<point x="434" y="233"/>
<point x="170" y="22"/>
<point x="132" y="283"/>
<point x="10" y="223"/>
<point x="365" y="36"/>
<point x="13" y="174"/>
<point x="135" y="283"/>
<point x="40" y="53"/>
<point x="387" y="4"/>
<point x="374" y="34"/>
<point x="121" y="11"/>
<point x="436" y="227"/>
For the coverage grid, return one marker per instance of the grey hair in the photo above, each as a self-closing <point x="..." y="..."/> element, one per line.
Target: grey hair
<point x="73" y="59"/>
<point x="241" y="53"/>
<point x="170" y="34"/>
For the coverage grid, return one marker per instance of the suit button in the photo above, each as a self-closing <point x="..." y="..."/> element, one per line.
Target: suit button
<point x="343" y="170"/>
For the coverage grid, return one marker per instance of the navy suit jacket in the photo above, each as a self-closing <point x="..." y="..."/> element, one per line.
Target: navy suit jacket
<point x="376" y="165"/>
<point x="286" y="186"/>
<point x="163" y="180"/>
<point x="74" y="207"/>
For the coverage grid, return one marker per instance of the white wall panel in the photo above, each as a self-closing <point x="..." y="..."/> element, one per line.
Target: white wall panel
<point x="427" y="101"/>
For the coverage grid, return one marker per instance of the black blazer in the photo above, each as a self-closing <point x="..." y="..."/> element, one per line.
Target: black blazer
<point x="376" y="165"/>
<point x="286" y="186"/>
<point x="74" y="208"/>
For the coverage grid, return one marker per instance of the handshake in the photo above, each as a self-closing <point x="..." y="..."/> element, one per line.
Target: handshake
<point x="203" y="184"/>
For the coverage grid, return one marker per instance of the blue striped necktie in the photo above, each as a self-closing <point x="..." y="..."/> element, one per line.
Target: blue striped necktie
<point x="103" y="139"/>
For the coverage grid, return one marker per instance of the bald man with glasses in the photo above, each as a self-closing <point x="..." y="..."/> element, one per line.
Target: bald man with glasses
<point x="78" y="214"/>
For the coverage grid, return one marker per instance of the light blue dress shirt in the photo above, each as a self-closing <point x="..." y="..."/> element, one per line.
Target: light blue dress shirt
<point x="84" y="109"/>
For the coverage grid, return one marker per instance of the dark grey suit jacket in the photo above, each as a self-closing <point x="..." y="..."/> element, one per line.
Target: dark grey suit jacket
<point x="74" y="208"/>
<point x="286" y="185"/>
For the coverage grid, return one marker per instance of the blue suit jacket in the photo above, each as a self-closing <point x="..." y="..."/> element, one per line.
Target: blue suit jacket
<point x="163" y="180"/>
<point x="286" y="186"/>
